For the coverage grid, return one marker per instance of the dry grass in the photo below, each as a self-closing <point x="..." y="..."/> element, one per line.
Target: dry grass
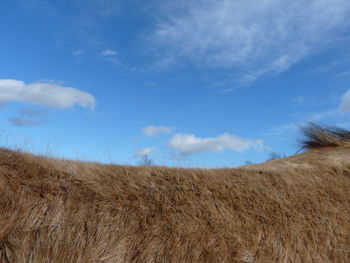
<point x="318" y="137"/>
<point x="295" y="209"/>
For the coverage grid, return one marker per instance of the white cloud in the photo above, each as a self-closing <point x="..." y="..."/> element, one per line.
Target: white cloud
<point x="44" y="94"/>
<point x="110" y="55"/>
<point x="155" y="130"/>
<point x="145" y="152"/>
<point x="256" y="37"/>
<point x="345" y="102"/>
<point x="109" y="52"/>
<point x="190" y="144"/>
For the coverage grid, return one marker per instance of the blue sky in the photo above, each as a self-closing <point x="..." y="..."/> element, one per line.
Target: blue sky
<point x="188" y="83"/>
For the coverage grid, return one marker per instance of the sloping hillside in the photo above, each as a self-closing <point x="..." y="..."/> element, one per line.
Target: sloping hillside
<point x="295" y="209"/>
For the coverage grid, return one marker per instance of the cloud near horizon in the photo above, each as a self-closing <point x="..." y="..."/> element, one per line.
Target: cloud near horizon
<point x="152" y="131"/>
<point x="44" y="94"/>
<point x="189" y="144"/>
<point x="28" y="117"/>
<point x="145" y="152"/>
<point x="20" y="121"/>
<point x="255" y="37"/>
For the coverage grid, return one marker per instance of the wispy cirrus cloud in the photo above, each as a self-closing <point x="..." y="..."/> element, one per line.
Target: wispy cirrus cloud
<point x="336" y="65"/>
<point x="84" y="19"/>
<point x="44" y="94"/>
<point x="109" y="52"/>
<point x="152" y="131"/>
<point x="254" y="37"/>
<point x="189" y="144"/>
<point x="110" y="55"/>
<point x="102" y="9"/>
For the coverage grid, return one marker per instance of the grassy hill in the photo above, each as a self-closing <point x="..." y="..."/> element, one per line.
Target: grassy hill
<point x="295" y="209"/>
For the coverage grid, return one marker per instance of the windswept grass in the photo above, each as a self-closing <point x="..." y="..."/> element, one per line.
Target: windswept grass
<point x="295" y="209"/>
<point x="316" y="136"/>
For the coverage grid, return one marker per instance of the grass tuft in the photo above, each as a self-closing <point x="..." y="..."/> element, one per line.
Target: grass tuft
<point x="316" y="136"/>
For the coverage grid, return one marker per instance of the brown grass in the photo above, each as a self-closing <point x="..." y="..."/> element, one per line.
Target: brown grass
<point x="318" y="137"/>
<point x="295" y="209"/>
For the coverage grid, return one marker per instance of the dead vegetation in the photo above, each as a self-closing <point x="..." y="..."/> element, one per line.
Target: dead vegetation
<point x="316" y="136"/>
<point x="294" y="209"/>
